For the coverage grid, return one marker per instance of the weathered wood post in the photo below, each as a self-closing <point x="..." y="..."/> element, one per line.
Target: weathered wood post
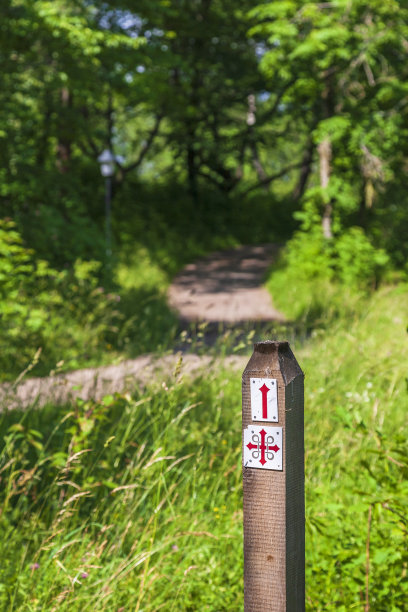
<point x="273" y="478"/>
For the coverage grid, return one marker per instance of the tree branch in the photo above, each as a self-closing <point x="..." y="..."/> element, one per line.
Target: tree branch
<point x="272" y="178"/>
<point x="256" y="162"/>
<point x="306" y="168"/>
<point x="269" y="113"/>
<point x="143" y="151"/>
<point x="210" y="178"/>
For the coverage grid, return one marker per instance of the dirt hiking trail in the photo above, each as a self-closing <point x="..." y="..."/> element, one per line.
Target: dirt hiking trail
<point x="225" y="287"/>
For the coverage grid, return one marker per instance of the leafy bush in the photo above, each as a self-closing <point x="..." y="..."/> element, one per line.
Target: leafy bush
<point x="65" y="313"/>
<point x="316" y="276"/>
<point x="358" y="262"/>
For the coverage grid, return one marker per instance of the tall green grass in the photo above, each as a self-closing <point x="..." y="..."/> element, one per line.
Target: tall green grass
<point x="130" y="502"/>
<point x="134" y="502"/>
<point x="357" y="457"/>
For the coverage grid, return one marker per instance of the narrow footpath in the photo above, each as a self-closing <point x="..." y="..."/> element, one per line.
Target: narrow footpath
<point x="225" y="287"/>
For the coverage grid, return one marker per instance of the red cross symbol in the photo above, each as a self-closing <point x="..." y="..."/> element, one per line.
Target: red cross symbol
<point x="262" y="446"/>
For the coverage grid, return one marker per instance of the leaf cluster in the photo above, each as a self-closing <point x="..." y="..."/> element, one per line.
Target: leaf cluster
<point x="46" y="309"/>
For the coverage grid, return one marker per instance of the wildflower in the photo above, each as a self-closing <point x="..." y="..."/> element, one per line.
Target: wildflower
<point x="175" y="547"/>
<point x="34" y="566"/>
<point x="84" y="575"/>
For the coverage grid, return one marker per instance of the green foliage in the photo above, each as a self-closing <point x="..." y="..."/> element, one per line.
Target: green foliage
<point x="64" y="314"/>
<point x="358" y="261"/>
<point x="316" y="278"/>
<point x="168" y="230"/>
<point x="146" y="324"/>
<point x="357" y="456"/>
<point x="338" y="66"/>
<point x="135" y="501"/>
<point x="213" y="110"/>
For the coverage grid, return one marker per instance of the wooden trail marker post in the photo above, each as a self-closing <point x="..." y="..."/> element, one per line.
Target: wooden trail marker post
<point x="273" y="479"/>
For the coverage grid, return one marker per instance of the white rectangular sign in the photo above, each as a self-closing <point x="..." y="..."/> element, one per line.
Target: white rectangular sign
<point x="264" y="399"/>
<point x="263" y="447"/>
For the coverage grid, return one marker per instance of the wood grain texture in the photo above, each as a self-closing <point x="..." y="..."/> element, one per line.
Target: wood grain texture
<point x="273" y="500"/>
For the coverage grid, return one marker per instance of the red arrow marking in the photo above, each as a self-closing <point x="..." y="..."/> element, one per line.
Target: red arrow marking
<point x="263" y="447"/>
<point x="264" y="390"/>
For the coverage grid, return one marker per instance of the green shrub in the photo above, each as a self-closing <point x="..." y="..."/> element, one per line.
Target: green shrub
<point x="357" y="262"/>
<point x="63" y="313"/>
<point x="316" y="278"/>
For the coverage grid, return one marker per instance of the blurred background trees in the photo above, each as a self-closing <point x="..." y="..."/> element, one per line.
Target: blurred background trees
<point x="305" y="101"/>
<point x="284" y="122"/>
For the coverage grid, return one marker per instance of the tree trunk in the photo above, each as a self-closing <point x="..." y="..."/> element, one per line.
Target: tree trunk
<point x="64" y="140"/>
<point x="192" y="173"/>
<point x="305" y="171"/>
<point x="325" y="153"/>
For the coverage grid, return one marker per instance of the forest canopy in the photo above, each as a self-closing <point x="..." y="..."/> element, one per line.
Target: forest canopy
<point x="212" y="96"/>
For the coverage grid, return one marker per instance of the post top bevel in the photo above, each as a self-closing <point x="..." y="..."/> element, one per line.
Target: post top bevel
<point x="270" y="346"/>
<point x="274" y="355"/>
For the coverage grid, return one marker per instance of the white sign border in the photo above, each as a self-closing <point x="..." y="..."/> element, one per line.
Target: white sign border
<point x="256" y="399"/>
<point x="248" y="460"/>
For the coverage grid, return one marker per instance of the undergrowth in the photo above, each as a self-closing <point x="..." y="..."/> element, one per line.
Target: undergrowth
<point x="316" y="280"/>
<point x="135" y="502"/>
<point x="66" y="319"/>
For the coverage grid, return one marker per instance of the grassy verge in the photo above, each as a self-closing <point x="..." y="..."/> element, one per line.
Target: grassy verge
<point x="356" y="457"/>
<point x="135" y="502"/>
